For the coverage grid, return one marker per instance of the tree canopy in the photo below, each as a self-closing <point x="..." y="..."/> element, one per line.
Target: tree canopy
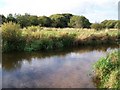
<point x="44" y="21"/>
<point x="58" y="21"/>
<point x="79" y="22"/>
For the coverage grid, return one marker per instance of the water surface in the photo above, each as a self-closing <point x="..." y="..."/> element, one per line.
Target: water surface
<point x="70" y="68"/>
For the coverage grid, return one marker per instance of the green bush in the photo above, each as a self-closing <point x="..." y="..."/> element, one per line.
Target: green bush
<point x="97" y="26"/>
<point x="11" y="31"/>
<point x="12" y="37"/>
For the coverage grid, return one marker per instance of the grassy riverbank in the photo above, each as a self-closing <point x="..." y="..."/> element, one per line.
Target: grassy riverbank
<point x="107" y="71"/>
<point x="37" y="38"/>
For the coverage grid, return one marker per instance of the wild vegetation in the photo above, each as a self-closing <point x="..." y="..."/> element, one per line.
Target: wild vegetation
<point x="59" y="21"/>
<point x="107" y="71"/>
<point x="36" y="38"/>
<point x="58" y="31"/>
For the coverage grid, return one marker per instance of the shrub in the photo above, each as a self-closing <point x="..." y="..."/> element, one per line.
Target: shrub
<point x="97" y="26"/>
<point x="11" y="31"/>
<point x="12" y="36"/>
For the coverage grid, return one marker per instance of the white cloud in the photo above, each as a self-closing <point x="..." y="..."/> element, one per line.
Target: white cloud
<point x="95" y="10"/>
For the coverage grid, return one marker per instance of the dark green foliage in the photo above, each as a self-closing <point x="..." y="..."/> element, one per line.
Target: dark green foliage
<point x="109" y="23"/>
<point x="67" y="18"/>
<point x="44" y="21"/>
<point x="37" y="45"/>
<point x="9" y="46"/>
<point x="97" y="26"/>
<point x="23" y="20"/>
<point x="79" y="22"/>
<point x="117" y="24"/>
<point x="34" y="20"/>
<point x="67" y="40"/>
<point x="3" y="18"/>
<point x="11" y="18"/>
<point x="104" y="23"/>
<point x="50" y="44"/>
<point x="58" y="20"/>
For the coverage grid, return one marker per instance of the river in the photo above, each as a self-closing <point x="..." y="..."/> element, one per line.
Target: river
<point x="70" y="68"/>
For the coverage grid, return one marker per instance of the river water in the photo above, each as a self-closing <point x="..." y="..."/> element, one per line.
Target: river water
<point x="70" y="68"/>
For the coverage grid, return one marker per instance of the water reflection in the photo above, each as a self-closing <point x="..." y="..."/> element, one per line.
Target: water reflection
<point x="65" y="68"/>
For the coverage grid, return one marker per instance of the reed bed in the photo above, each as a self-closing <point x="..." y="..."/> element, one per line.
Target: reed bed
<point x="107" y="71"/>
<point x="35" y="38"/>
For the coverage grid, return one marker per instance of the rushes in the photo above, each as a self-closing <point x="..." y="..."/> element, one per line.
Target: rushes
<point x="107" y="70"/>
<point x="37" y="38"/>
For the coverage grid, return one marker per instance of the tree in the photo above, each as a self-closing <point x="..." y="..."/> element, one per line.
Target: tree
<point x="67" y="18"/>
<point x="11" y="18"/>
<point x="58" y="20"/>
<point x="23" y="20"/>
<point x="97" y="26"/>
<point x="3" y="18"/>
<point x="34" y="20"/>
<point x="44" y="21"/>
<point x="109" y="23"/>
<point x="79" y="22"/>
<point x="104" y="23"/>
<point x="117" y="25"/>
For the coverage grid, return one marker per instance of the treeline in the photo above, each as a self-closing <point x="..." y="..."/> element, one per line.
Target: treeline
<point x="59" y="21"/>
<point x="106" y="24"/>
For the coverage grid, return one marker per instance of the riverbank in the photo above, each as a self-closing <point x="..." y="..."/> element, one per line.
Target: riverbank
<point x="107" y="71"/>
<point x="37" y="38"/>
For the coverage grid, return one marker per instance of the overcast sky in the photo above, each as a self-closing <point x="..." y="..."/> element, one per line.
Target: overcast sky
<point x="94" y="10"/>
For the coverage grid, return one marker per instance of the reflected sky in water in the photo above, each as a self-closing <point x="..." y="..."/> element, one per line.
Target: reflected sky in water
<point x="70" y="68"/>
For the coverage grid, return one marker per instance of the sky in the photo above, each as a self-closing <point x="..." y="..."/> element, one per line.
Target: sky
<point x="94" y="10"/>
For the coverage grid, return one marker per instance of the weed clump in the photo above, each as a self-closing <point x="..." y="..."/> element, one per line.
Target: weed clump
<point x="107" y="71"/>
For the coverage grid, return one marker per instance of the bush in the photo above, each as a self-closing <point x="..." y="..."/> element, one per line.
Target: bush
<point x="12" y="36"/>
<point x="97" y="26"/>
<point x="44" y="21"/>
<point x="11" y="31"/>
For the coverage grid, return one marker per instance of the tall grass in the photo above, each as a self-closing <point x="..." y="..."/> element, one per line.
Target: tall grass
<point x="12" y="39"/>
<point x="107" y="71"/>
<point x="37" y="38"/>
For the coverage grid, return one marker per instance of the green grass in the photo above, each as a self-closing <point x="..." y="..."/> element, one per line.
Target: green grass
<point x="107" y="71"/>
<point x="37" y="38"/>
<point x="75" y="36"/>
